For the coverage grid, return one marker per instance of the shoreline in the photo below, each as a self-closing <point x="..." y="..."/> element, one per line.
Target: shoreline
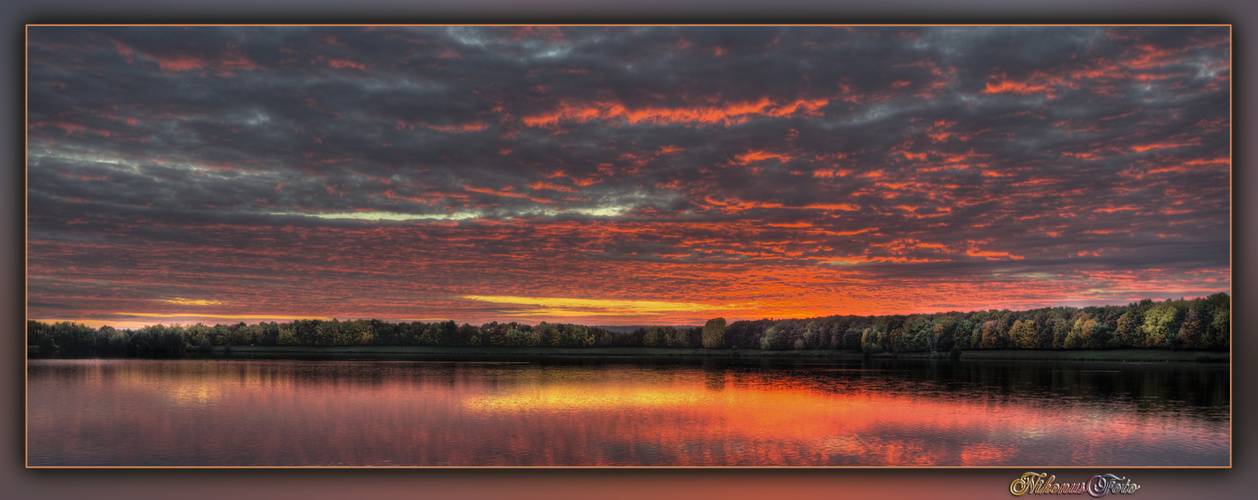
<point x="1115" y="355"/>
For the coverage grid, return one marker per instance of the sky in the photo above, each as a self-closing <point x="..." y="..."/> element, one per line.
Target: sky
<point x="620" y="175"/>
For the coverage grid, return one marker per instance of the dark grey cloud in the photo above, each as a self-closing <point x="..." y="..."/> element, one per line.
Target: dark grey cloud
<point x="930" y="151"/>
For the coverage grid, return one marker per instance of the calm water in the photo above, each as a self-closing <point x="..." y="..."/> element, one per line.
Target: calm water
<point x="703" y="413"/>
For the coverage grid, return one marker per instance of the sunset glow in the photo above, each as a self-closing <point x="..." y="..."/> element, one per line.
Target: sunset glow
<point x="588" y="307"/>
<point x="620" y="175"/>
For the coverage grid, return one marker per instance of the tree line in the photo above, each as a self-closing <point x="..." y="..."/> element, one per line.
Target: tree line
<point x="1196" y="324"/>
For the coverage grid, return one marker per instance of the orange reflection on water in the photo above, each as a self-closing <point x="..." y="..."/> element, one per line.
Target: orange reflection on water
<point x="389" y="413"/>
<point x="195" y="384"/>
<point x="782" y="421"/>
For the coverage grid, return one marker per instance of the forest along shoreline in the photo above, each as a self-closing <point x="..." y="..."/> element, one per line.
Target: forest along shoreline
<point x="1197" y="330"/>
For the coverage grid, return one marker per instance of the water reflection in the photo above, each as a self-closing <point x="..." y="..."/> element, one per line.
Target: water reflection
<point x="284" y="412"/>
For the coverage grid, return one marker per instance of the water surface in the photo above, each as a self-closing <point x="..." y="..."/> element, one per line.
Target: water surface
<point x="601" y="413"/>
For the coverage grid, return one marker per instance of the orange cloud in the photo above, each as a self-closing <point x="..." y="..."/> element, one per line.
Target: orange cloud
<point x="1007" y="86"/>
<point x="974" y="251"/>
<point x="1140" y="148"/>
<point x="756" y="155"/>
<point x="539" y="185"/>
<point x="172" y="64"/>
<point x="505" y="193"/>
<point x="728" y="114"/>
<point x="345" y="63"/>
<point x="466" y="127"/>
<point x="739" y="205"/>
<point x="1037" y="83"/>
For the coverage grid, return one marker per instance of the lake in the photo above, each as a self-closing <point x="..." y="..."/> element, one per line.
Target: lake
<point x="624" y="412"/>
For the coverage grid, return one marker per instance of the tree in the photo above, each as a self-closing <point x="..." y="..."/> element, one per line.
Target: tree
<point x="674" y="337"/>
<point x="852" y="339"/>
<point x="1161" y="324"/>
<point x="1192" y="329"/>
<point x="74" y="339"/>
<point x="286" y="336"/>
<point x="1131" y="325"/>
<point x="464" y="334"/>
<point x="33" y="331"/>
<point x="918" y="333"/>
<point x="326" y="332"/>
<point x="362" y="333"/>
<point x="714" y="334"/>
<point x="773" y="340"/>
<point x="942" y="334"/>
<point x="547" y="334"/>
<point x="46" y="345"/>
<point x="782" y="335"/>
<point x="746" y="334"/>
<point x="1023" y="334"/>
<point x="1099" y="335"/>
<point x="1219" y="331"/>
<point x="238" y="334"/>
<point x="990" y="339"/>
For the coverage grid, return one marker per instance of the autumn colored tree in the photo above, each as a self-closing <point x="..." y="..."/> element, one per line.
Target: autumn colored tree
<point x="1161" y="324"/>
<point x="1192" y="329"/>
<point x="776" y="338"/>
<point x="990" y="337"/>
<point x="1023" y="334"/>
<point x="714" y="333"/>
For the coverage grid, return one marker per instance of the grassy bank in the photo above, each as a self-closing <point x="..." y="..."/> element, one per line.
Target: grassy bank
<point x="1147" y="355"/>
<point x="1123" y="355"/>
<point x="611" y="352"/>
<point x="1116" y="355"/>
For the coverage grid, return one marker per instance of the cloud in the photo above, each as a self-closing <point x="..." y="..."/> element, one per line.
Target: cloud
<point x="191" y="302"/>
<point x="391" y="171"/>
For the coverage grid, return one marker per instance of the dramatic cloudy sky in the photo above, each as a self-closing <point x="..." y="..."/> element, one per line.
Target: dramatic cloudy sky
<point x="620" y="175"/>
